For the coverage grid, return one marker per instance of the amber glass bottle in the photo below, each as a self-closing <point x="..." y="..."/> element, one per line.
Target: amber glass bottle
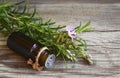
<point x="30" y="49"/>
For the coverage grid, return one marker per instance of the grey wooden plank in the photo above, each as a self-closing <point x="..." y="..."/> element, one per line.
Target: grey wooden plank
<point x="111" y="39"/>
<point x="103" y="39"/>
<point x="70" y="1"/>
<point x="102" y="68"/>
<point x="103" y="17"/>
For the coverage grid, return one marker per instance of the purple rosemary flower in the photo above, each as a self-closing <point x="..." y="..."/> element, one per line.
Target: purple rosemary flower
<point x="71" y="32"/>
<point x="90" y="56"/>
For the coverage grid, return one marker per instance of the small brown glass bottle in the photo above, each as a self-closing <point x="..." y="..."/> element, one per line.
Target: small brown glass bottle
<point x="38" y="55"/>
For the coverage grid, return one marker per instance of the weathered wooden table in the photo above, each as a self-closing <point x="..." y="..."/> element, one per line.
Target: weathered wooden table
<point x="104" y="42"/>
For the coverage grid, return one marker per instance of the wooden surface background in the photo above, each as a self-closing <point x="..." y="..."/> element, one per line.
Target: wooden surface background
<point x="104" y="42"/>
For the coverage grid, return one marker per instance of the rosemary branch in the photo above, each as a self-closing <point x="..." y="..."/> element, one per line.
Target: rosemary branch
<point x="59" y="42"/>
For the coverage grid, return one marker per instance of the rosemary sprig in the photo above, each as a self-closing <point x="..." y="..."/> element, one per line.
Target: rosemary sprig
<point x="61" y="43"/>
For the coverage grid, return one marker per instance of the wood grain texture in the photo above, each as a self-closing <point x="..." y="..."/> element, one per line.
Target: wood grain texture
<point x="70" y="1"/>
<point x="104" y="42"/>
